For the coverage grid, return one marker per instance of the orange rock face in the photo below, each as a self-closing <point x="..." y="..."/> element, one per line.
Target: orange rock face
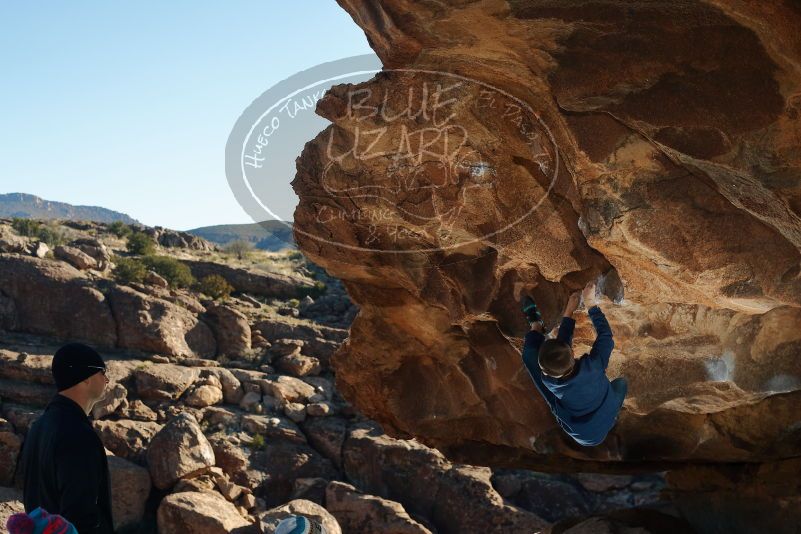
<point x="533" y="146"/>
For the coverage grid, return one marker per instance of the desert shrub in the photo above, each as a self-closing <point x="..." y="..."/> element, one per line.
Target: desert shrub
<point x="50" y="233"/>
<point x="176" y="273"/>
<point x="253" y="354"/>
<point x="120" y="229"/>
<point x="257" y="442"/>
<point x="215" y="286"/>
<point x="129" y="270"/>
<point x="240" y="248"/>
<point x="26" y="227"/>
<point x="295" y="255"/>
<point x="141" y="243"/>
<point x="293" y="302"/>
<point x="314" y="291"/>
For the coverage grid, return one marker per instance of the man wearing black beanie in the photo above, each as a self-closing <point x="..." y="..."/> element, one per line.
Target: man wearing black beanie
<point x="63" y="461"/>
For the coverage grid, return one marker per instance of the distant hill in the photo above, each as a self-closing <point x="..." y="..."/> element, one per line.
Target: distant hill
<point x="33" y="207"/>
<point x="266" y="235"/>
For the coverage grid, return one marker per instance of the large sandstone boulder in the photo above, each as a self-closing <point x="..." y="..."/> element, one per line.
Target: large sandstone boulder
<point x="283" y="462"/>
<point x="75" y="257"/>
<point x="178" y="239"/>
<point x="653" y="144"/>
<point x="31" y="394"/>
<point x="319" y="341"/>
<point x="164" y="381"/>
<point x="154" y="279"/>
<point x="298" y="365"/>
<point x="287" y="388"/>
<point x="154" y="325"/>
<point x="38" y="249"/>
<point x="231" y="329"/>
<point x="8" y="313"/>
<point x="217" y="415"/>
<point x="130" y="488"/>
<point x="10" y="445"/>
<point x="203" y="396"/>
<point x="10" y="504"/>
<point x="11" y="242"/>
<point x="115" y="398"/>
<point x="271" y="518"/>
<point x="138" y="411"/>
<point x="456" y="498"/>
<point x="94" y="248"/>
<point x="744" y="497"/>
<point x="556" y="497"/>
<point x="327" y="435"/>
<point x="257" y="282"/>
<point x="47" y="296"/>
<point x="274" y="427"/>
<point x="286" y="347"/>
<point x="357" y="512"/>
<point x="232" y="459"/>
<point x="178" y="450"/>
<point x="204" y="512"/>
<point x="20" y="416"/>
<point x="26" y="367"/>
<point x="127" y="438"/>
<point x="231" y="386"/>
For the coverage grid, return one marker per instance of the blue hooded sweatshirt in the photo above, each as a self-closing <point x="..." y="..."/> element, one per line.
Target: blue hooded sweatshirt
<point x="584" y="403"/>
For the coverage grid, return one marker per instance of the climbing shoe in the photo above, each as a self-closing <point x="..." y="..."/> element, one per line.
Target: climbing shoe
<point x="531" y="312"/>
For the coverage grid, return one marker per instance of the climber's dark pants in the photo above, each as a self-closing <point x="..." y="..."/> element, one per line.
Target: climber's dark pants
<point x="620" y="387"/>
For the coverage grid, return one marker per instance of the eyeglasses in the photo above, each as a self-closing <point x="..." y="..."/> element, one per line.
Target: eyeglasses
<point x="102" y="369"/>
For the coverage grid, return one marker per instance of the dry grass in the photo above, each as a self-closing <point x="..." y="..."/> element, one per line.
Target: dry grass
<point x="285" y="262"/>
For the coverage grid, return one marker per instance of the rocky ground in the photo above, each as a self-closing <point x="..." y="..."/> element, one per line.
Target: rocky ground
<point x="223" y="416"/>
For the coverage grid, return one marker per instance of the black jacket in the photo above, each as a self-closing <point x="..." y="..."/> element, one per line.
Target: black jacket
<point x="65" y="470"/>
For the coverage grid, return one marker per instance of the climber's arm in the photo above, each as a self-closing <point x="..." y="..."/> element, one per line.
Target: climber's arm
<point x="603" y="345"/>
<point x="531" y="348"/>
<point x="568" y="323"/>
<point x="566" y="328"/>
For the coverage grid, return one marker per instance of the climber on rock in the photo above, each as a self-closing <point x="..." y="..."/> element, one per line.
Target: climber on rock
<point x="583" y="400"/>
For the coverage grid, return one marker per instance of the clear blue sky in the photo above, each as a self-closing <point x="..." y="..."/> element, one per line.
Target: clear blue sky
<point x="128" y="105"/>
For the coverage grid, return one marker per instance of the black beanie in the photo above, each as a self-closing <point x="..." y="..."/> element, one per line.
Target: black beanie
<point x="73" y="363"/>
